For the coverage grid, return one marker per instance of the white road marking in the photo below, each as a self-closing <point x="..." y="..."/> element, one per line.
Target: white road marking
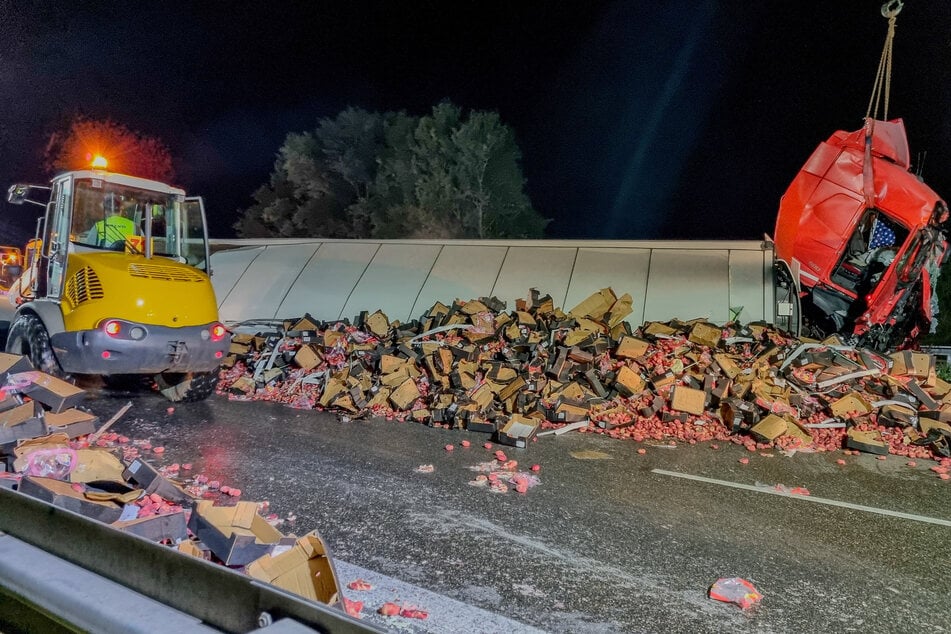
<point x="806" y="498"/>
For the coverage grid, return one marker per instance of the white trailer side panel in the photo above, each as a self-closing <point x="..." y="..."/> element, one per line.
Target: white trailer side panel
<point x="333" y="279"/>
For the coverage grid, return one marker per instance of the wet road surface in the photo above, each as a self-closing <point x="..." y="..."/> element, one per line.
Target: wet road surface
<point x="608" y="541"/>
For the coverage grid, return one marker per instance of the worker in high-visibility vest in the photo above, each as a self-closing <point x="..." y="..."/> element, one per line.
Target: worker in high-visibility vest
<point x="114" y="227"/>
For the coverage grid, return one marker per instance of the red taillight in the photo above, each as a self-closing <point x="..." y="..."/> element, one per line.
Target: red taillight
<point x="112" y="328"/>
<point x="218" y="332"/>
<point x="106" y="354"/>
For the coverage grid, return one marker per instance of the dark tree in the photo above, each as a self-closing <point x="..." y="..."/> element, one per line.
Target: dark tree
<point x="445" y="175"/>
<point x="127" y="152"/>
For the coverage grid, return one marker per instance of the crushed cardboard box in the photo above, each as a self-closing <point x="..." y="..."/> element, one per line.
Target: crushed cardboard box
<point x="305" y="569"/>
<point x="236" y="535"/>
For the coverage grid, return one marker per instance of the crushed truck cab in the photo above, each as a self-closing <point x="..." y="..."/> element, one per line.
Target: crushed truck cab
<point x="120" y="284"/>
<point x="864" y="238"/>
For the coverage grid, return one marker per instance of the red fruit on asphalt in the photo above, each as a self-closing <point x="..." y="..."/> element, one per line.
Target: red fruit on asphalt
<point x="389" y="609"/>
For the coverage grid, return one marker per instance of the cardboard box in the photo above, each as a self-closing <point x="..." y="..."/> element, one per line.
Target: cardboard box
<point x="770" y="428"/>
<point x="481" y="425"/>
<point x="919" y="393"/>
<point x="658" y="329"/>
<point x="867" y="441"/>
<point x="72" y="422"/>
<point x="61" y="494"/>
<point x="851" y="403"/>
<point x="628" y="382"/>
<point x="568" y="413"/>
<point x="306" y="569"/>
<point x="56" y="394"/>
<point x="148" y="477"/>
<point x="194" y="548"/>
<point x="935" y="428"/>
<point x="21" y="422"/>
<point x="378" y="324"/>
<point x="9" y="400"/>
<point x="728" y="364"/>
<point x="631" y="348"/>
<point x="157" y="528"/>
<point x="13" y="364"/>
<point x="405" y="395"/>
<point x="685" y="399"/>
<point x="705" y="334"/>
<point x="237" y="535"/>
<point x="308" y="356"/>
<point x="517" y="431"/>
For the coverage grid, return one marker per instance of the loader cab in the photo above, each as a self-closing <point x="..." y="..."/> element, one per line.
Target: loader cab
<point x="98" y="212"/>
<point x="121" y="285"/>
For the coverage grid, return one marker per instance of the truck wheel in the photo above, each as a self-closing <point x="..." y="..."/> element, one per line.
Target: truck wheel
<point x="186" y="388"/>
<point x="28" y="337"/>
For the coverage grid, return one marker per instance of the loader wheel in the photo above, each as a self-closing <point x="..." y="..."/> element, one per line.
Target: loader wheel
<point x="186" y="388"/>
<point x="28" y="337"/>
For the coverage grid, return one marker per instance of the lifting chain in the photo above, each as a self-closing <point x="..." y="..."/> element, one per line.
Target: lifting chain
<point x="883" y="78"/>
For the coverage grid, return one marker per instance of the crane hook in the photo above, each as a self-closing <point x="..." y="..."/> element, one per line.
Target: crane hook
<point x="892" y="8"/>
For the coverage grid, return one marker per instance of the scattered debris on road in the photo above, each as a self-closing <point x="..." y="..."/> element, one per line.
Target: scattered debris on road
<point x="735" y="590"/>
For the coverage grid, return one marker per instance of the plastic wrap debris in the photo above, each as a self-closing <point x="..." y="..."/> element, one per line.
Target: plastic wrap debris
<point x="51" y="463"/>
<point x="735" y="590"/>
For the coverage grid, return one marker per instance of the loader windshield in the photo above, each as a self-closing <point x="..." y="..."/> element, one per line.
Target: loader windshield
<point x="115" y="217"/>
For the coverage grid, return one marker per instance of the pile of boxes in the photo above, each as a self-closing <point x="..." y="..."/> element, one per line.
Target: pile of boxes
<point x="33" y="403"/>
<point x="474" y="366"/>
<point x="45" y="453"/>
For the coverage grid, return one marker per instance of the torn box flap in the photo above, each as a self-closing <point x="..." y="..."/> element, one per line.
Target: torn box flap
<point x="244" y="513"/>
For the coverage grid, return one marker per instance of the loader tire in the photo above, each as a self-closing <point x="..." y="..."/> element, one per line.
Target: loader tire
<point x="28" y="337"/>
<point x="186" y="387"/>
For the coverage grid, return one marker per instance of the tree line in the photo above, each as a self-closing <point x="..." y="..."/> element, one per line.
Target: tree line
<point x="361" y="174"/>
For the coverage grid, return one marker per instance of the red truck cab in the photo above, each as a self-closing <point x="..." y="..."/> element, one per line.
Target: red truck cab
<point x="865" y="237"/>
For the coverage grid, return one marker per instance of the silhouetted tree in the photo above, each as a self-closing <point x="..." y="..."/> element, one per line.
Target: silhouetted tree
<point x="127" y="152"/>
<point x="316" y="178"/>
<point x="444" y="175"/>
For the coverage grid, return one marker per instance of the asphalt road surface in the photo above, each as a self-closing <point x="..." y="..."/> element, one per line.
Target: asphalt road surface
<point x="609" y="540"/>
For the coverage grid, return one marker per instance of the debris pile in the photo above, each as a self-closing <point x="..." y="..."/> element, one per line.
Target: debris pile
<point x="474" y="366"/>
<point x="52" y="450"/>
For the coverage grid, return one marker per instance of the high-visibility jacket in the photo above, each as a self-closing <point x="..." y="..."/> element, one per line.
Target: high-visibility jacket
<point x="113" y="229"/>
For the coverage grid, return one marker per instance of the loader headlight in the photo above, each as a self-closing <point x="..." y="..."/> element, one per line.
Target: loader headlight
<point x="218" y="332"/>
<point x="118" y="329"/>
<point x="112" y="328"/>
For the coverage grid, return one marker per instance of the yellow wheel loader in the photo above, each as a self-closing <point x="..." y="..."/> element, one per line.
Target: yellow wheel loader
<point x="119" y="285"/>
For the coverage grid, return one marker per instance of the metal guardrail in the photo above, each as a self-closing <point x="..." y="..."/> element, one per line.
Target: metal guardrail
<point x="214" y="595"/>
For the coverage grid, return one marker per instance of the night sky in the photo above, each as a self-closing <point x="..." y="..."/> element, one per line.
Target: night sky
<point x="639" y="120"/>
